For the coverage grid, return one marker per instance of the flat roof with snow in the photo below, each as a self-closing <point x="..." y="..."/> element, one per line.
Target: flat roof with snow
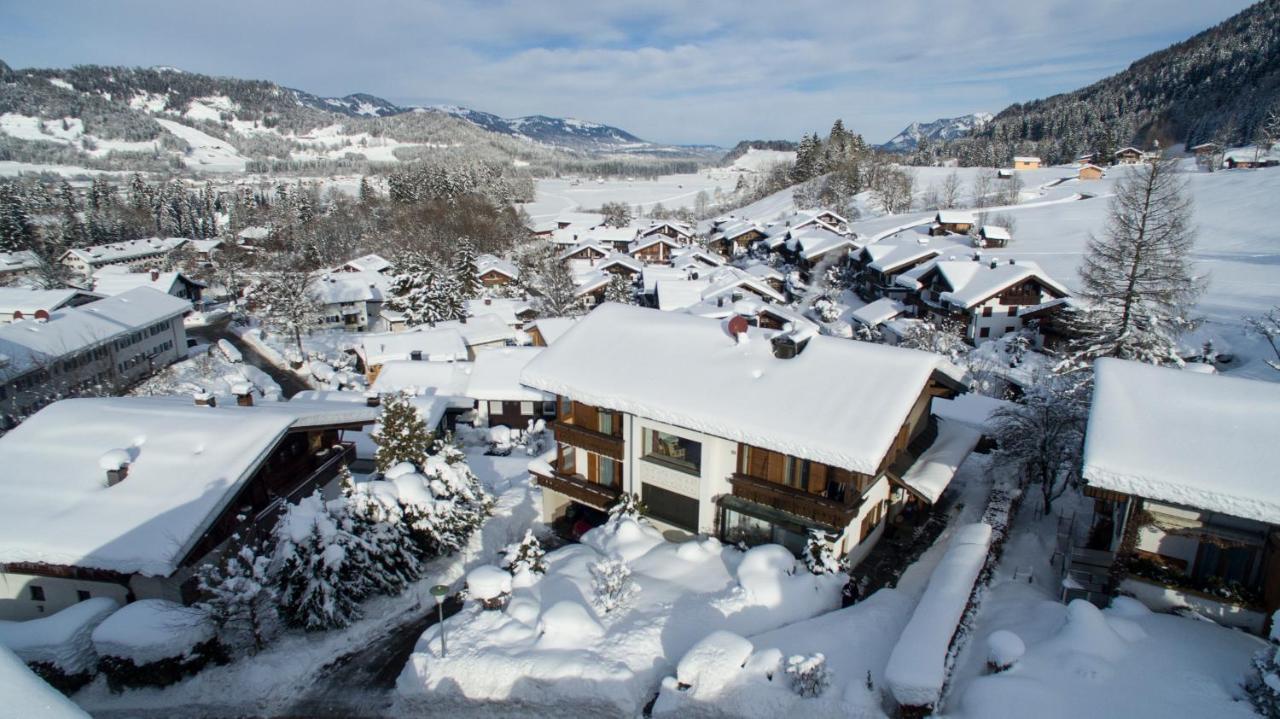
<point x="688" y="371"/>
<point x="1197" y="440"/>
<point x="496" y="375"/>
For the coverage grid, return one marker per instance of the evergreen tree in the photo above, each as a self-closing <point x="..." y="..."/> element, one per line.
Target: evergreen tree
<point x="368" y="196"/>
<point x="318" y="576"/>
<point x="16" y="232"/>
<point x="400" y="434"/>
<point x="240" y="598"/>
<point x="464" y="269"/>
<point x="526" y="556"/>
<point x="620" y="290"/>
<point x="1136" y="280"/>
<point x="559" y="293"/>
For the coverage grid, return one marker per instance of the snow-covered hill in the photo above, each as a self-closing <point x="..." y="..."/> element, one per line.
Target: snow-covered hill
<point x="947" y="128"/>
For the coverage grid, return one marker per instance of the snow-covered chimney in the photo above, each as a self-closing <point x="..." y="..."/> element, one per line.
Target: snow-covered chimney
<point x="1012" y="261"/>
<point x="204" y="399"/>
<point x="244" y="393"/>
<point x="415" y="355"/>
<point x="994" y="264"/>
<point x="116" y="464"/>
<point x="155" y="274"/>
<point x="737" y="328"/>
<point x="372" y="399"/>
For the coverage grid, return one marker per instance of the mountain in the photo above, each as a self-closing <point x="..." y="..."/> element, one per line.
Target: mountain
<point x="355" y="105"/>
<point x="1218" y="85"/>
<point x="557" y="131"/>
<point x="941" y="130"/>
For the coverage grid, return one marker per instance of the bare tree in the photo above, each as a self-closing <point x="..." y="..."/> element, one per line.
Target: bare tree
<point x="1137" y="279"/>
<point x="1011" y="190"/>
<point x="287" y="303"/>
<point x="949" y="195"/>
<point x="894" y="190"/>
<point x="1042" y="436"/>
<point x="1267" y="327"/>
<point x="982" y="187"/>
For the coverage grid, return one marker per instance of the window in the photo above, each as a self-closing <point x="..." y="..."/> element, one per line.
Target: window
<point x="526" y="408"/>
<point x="495" y="407"/>
<point x="739" y="527"/>
<point x="1013" y="311"/>
<point x="568" y="455"/>
<point x="872" y="520"/>
<point x="674" y="509"/>
<point x="548" y="409"/>
<point x="986" y="311"/>
<point x="81" y="595"/>
<point x="37" y="593"/>
<point x="608" y="473"/>
<point x="984" y="332"/>
<point x="1010" y="328"/>
<point x="604" y="422"/>
<point x="677" y="452"/>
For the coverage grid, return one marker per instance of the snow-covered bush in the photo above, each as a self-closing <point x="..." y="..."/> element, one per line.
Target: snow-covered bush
<point x="400" y="434"/>
<point x="612" y="584"/>
<point x="489" y="585"/>
<point x="59" y="647"/>
<point x="525" y="556"/>
<point x="1264" y="687"/>
<point x="819" y="557"/>
<point x="240" y="598"/>
<point x="453" y="507"/>
<point x="826" y="310"/>
<point x="808" y="675"/>
<point x="627" y="505"/>
<point x="1004" y="649"/>
<point x="153" y="642"/>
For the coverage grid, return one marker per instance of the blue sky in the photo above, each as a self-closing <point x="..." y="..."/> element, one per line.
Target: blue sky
<point x="713" y="71"/>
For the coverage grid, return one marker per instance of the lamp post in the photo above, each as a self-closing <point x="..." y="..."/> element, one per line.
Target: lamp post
<point x="440" y="591"/>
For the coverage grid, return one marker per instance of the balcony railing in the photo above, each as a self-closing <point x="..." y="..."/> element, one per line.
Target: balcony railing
<point x="603" y="444"/>
<point x="829" y="513"/>
<point x="579" y="489"/>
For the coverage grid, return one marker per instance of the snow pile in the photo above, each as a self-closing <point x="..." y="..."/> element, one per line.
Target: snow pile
<point x="487" y="583"/>
<point x="150" y="630"/>
<point x="62" y="640"/>
<point x="552" y="647"/>
<point x="917" y="669"/>
<point x="27" y="695"/>
<point x="1004" y="648"/>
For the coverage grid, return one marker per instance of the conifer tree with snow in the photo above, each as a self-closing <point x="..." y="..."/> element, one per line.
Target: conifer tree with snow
<point x="525" y="556"/>
<point x="1136" y="280"/>
<point x="464" y="269"/>
<point x="459" y="503"/>
<point x="628" y="505"/>
<point x="809" y="676"/>
<point x="1264" y="688"/>
<point x="400" y="434"/>
<point x="317" y="566"/>
<point x="819" y="557"/>
<point x="425" y="293"/>
<point x="620" y="290"/>
<point x="240" y="598"/>
<point x="558" y="296"/>
<point x="383" y="533"/>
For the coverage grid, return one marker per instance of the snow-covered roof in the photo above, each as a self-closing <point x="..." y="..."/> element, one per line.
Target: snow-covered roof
<point x="590" y="281"/>
<point x="18" y="299"/>
<point x="611" y="235"/>
<point x="735" y="229"/>
<point x="1129" y="151"/>
<point x="496" y="375"/>
<point x="970" y="408"/>
<point x="1199" y="440"/>
<point x="679" y="294"/>
<point x="18" y="261"/>
<point x="693" y="255"/>
<point x="553" y="328"/>
<point x="488" y="263"/>
<point x="995" y="232"/>
<point x="621" y="260"/>
<point x="508" y="309"/>
<point x="653" y="274"/>
<point x="357" y="286"/>
<point x="878" y="312"/>
<point x="1026" y="158"/>
<point x="1090" y="165"/>
<point x="724" y="280"/>
<point x="813" y="241"/>
<point x="481" y="329"/>
<point x="186" y="462"/>
<point x="887" y="257"/>
<point x="656" y="238"/>
<point x="933" y="470"/>
<point x="435" y="344"/>
<point x="763" y="271"/>
<point x="369" y="263"/>
<point x="205" y="246"/>
<point x="72" y="329"/>
<point x="115" y="279"/>
<point x="584" y="245"/>
<point x="127" y="250"/>
<point x="445" y="379"/>
<point x="976" y="282"/>
<point x="678" y="227"/>
<point x="257" y="232"/>
<point x="954" y="217"/>
<point x="688" y="371"/>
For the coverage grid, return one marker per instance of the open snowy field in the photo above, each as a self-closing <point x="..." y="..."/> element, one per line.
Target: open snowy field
<point x="672" y="191"/>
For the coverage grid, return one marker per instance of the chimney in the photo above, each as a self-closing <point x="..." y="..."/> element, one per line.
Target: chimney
<point x="488" y="301"/>
<point x="17" y="315"/>
<point x="42" y="315"/>
<point x="415" y="355"/>
<point x="1012" y="261"/>
<point x="116" y="464"/>
<point x="737" y="328"/>
<point x="244" y="393"/>
<point x="155" y="274"/>
<point x="204" y="399"/>
<point x="372" y="399"/>
<point x="994" y="264"/>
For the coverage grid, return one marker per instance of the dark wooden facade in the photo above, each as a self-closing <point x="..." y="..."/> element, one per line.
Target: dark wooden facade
<point x="494" y="278"/>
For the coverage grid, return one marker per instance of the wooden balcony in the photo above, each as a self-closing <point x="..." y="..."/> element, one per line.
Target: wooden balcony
<point x="602" y="444"/>
<point x="579" y="489"/>
<point x="828" y="513"/>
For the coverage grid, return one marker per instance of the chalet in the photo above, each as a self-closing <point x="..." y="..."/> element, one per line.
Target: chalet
<point x="204" y="250"/>
<point x="1248" y="158"/>
<point x="957" y="222"/>
<point x="1026" y="163"/>
<point x="617" y="239"/>
<point x="768" y="274"/>
<point x="516" y="313"/>
<point x="586" y="251"/>
<point x="678" y="231"/>
<point x="368" y="263"/>
<point x="616" y="263"/>
<point x="988" y="297"/>
<point x="1090" y="172"/>
<point x="352" y="300"/>
<point x="18" y="265"/>
<point x="1004" y="173"/>
<point x="1128" y="156"/>
<point x="437" y="390"/>
<point x="253" y="236"/>
<point x="725" y="284"/>
<point x="654" y="248"/>
<point x="1206" y="148"/>
<point x="814" y="245"/>
<point x="86" y="261"/>
<point x="495" y="272"/>
<point x="748" y="434"/>
<point x="874" y="314"/>
<point x="500" y="398"/>
<point x="735" y="238"/>
<point x="136" y="493"/>
<point x="695" y="258"/>
<point x="1086" y="158"/>
<point x="17" y="302"/>
<point x="1181" y="468"/>
<point x="780" y="234"/>
<point x="992" y="236"/>
<point x="546" y="330"/>
<point x="757" y="313"/>
<point x="589" y="287"/>
<point x="421" y="345"/>
<point x="117" y="279"/>
<point x="880" y="264"/>
<point x="107" y="344"/>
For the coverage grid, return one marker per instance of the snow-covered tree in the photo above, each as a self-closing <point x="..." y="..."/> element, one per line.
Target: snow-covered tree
<point x="464" y="269"/>
<point x="1264" y="688"/>
<point x="819" y="557"/>
<point x="318" y="576"/>
<point x="612" y="585"/>
<point x="808" y="675"/>
<point x="620" y="290"/>
<point x="240" y="598"/>
<point x="1136" y="280"/>
<point x="424" y="292"/>
<point x="400" y="434"/>
<point x="525" y="556"/>
<point x="558" y="291"/>
<point x="457" y="504"/>
<point x="628" y="505"/>
<point x="616" y="214"/>
<point x="1041" y="437"/>
<point x="287" y="303"/>
<point x="1267" y="326"/>
<point x="381" y="528"/>
<point x="944" y="336"/>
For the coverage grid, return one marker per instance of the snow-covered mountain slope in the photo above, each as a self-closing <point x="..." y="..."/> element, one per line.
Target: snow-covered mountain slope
<point x="947" y="128"/>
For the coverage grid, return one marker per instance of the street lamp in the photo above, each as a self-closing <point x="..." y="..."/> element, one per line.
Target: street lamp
<point x="440" y="591"/>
